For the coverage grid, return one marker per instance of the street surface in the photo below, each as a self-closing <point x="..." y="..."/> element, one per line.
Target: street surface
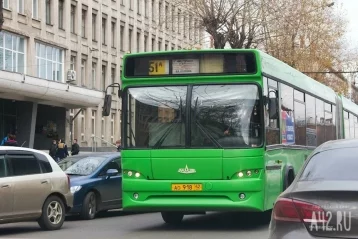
<point x="147" y="226"/>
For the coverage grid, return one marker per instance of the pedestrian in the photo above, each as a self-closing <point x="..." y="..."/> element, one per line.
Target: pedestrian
<point x="5" y="139"/>
<point x="75" y="149"/>
<point x="53" y="149"/>
<point x="62" y="151"/>
<point x="11" y="140"/>
<point x="118" y="145"/>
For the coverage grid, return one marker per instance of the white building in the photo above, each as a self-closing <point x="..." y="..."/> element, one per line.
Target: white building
<point x="58" y="56"/>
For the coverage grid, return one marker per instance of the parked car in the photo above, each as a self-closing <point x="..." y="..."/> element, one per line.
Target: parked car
<point x="32" y="188"/>
<point x="96" y="182"/>
<point x="322" y="200"/>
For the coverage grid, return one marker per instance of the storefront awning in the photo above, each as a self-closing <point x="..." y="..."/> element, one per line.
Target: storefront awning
<point x="27" y="88"/>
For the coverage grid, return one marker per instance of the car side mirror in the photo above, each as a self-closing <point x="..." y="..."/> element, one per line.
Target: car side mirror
<point x="112" y="172"/>
<point x="273" y="108"/>
<point x="107" y="105"/>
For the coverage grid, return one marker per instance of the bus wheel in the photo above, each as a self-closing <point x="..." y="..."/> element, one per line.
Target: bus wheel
<point x="172" y="217"/>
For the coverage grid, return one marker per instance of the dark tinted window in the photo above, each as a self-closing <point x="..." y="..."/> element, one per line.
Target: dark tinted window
<point x="338" y="164"/>
<point x="311" y="121"/>
<point x="24" y="165"/>
<point x="45" y="164"/>
<point x="2" y="167"/>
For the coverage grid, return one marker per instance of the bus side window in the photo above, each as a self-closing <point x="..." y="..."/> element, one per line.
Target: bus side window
<point x="271" y="123"/>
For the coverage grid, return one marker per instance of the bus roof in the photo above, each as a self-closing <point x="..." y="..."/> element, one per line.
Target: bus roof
<point x="277" y="69"/>
<point x="287" y="74"/>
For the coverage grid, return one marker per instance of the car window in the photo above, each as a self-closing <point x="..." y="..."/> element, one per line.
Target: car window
<point x="337" y="164"/>
<point x="44" y="163"/>
<point x="24" y="165"/>
<point x="2" y="167"/>
<point x="114" y="164"/>
<point x="85" y="166"/>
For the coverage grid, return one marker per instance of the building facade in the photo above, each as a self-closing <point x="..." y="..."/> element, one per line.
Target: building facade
<point x="78" y="47"/>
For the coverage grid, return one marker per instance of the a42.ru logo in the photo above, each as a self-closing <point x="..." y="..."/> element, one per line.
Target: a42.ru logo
<point x="331" y="221"/>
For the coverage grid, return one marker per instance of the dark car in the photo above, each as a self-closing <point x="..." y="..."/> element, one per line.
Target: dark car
<point x="96" y="182"/>
<point x="322" y="201"/>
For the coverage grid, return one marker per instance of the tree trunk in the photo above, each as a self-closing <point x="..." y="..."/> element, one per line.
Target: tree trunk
<point x="1" y="15"/>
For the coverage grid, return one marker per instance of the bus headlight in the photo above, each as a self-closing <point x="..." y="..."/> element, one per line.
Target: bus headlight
<point x="240" y="175"/>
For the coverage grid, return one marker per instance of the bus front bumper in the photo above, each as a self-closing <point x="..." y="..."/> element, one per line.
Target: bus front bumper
<point x="220" y="195"/>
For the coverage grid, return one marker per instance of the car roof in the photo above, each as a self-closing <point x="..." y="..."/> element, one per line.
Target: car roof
<point x="12" y="148"/>
<point x="337" y="144"/>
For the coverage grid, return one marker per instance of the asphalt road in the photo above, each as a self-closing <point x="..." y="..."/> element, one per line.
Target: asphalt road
<point x="147" y="226"/>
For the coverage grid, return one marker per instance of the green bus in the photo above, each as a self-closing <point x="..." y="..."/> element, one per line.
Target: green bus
<point x="219" y="130"/>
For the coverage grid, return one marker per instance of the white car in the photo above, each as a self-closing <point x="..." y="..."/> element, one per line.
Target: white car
<point x="33" y="188"/>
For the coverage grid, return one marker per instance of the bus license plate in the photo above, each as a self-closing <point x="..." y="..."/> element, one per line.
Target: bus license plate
<point x="187" y="187"/>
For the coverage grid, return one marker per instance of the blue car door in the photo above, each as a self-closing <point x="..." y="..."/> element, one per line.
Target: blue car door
<point x="110" y="188"/>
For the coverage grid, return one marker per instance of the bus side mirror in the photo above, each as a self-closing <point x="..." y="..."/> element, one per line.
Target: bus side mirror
<point x="107" y="105"/>
<point x="273" y="108"/>
<point x="119" y="93"/>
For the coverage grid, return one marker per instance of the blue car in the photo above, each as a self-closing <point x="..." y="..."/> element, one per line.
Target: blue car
<point x="96" y="182"/>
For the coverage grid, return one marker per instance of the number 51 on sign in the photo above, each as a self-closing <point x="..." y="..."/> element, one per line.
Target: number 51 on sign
<point x="159" y="67"/>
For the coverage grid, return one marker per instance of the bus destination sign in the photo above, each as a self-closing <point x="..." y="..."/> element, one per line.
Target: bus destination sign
<point x="185" y="66"/>
<point x="190" y="64"/>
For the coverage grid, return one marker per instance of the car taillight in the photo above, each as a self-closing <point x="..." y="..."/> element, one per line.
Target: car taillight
<point x="298" y="211"/>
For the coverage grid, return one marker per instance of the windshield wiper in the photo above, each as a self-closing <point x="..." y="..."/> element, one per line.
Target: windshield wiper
<point x="202" y="128"/>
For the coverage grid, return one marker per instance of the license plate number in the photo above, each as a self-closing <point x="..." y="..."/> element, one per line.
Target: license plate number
<point x="187" y="187"/>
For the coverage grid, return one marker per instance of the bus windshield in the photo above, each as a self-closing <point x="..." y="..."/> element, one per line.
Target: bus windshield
<point x="216" y="116"/>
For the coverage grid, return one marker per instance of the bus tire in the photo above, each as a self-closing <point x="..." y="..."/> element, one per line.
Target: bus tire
<point x="289" y="177"/>
<point x="172" y="217"/>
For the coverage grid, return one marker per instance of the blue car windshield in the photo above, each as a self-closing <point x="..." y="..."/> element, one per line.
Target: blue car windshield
<point x="83" y="167"/>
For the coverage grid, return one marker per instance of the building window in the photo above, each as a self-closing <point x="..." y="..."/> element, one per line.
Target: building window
<point x="113" y="33"/>
<point x="5" y="4"/>
<point x="20" y="6"/>
<point x="166" y="15"/>
<point x="113" y="116"/>
<point x="49" y="61"/>
<point x="103" y="128"/>
<point x="94" y="67"/>
<point x="122" y="38"/>
<point x="83" y="125"/>
<point x="83" y="27"/>
<point x="73" y="63"/>
<point x="153" y="44"/>
<point x="160" y="11"/>
<point x="104" y="25"/>
<point x="113" y="77"/>
<point x="153" y="12"/>
<point x="138" y="41"/>
<point x="60" y="14"/>
<point x="145" y="43"/>
<point x="48" y="12"/>
<point x="159" y="44"/>
<point x="35" y="9"/>
<point x="83" y="72"/>
<point x="138" y="6"/>
<point x="130" y="40"/>
<point x="12" y="52"/>
<point x="73" y="19"/>
<point x="173" y="18"/>
<point x="93" y="123"/>
<point x="103" y="80"/>
<point x="179" y="18"/>
<point x="94" y="28"/>
<point x="146" y="8"/>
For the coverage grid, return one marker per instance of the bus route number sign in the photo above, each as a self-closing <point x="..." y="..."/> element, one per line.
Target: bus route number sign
<point x="158" y="67"/>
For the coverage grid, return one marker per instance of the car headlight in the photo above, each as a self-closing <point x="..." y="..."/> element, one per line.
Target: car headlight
<point x="75" y="189"/>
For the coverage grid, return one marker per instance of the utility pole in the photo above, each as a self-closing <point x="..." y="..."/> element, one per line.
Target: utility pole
<point x="1" y="15"/>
